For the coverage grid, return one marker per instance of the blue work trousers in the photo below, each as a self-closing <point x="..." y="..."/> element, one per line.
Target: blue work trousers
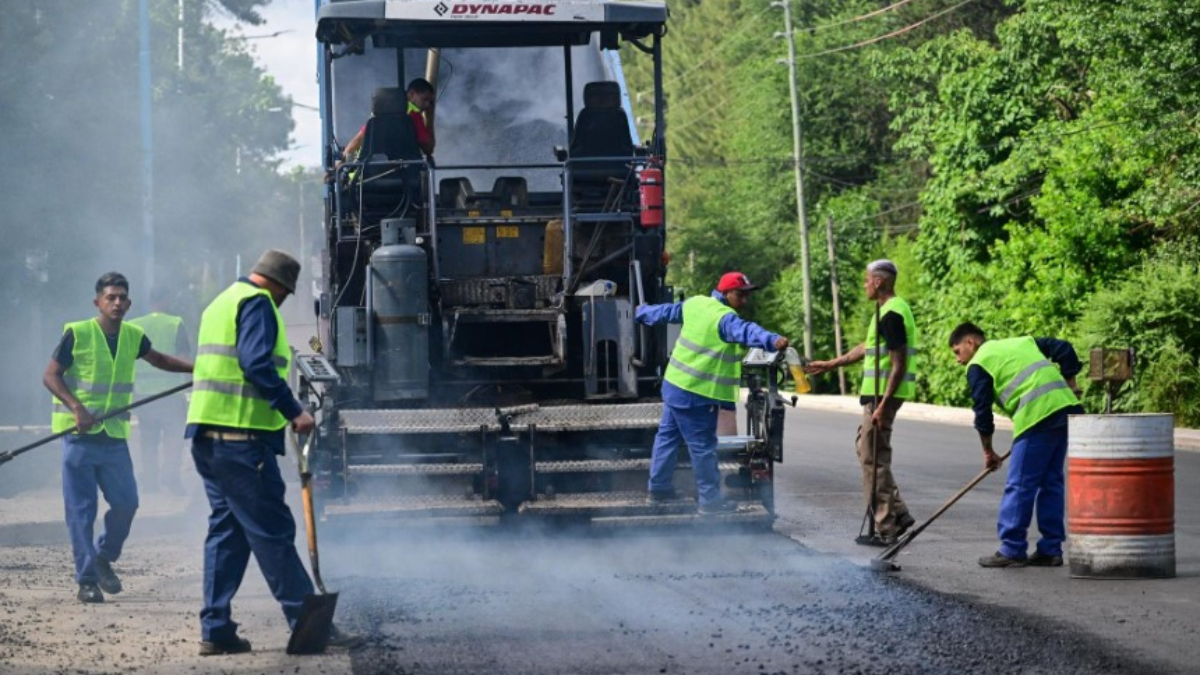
<point x="91" y="462"/>
<point x="249" y="515"/>
<point x="697" y="427"/>
<point x="1035" y="477"/>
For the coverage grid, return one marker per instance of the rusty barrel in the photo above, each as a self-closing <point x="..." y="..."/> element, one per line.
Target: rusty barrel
<point x="1121" y="496"/>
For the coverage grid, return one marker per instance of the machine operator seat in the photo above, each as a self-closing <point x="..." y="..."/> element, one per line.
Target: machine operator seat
<point x="390" y="136"/>
<point x="602" y="130"/>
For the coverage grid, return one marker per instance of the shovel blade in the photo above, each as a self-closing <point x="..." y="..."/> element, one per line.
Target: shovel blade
<point x="311" y="634"/>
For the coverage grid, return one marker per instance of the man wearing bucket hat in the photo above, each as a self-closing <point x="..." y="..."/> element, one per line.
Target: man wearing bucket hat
<point x="891" y="343"/>
<point x="702" y="376"/>
<point x="240" y="405"/>
<point x="1033" y="381"/>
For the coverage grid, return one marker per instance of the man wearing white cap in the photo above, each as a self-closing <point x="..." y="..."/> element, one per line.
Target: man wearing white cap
<point x="889" y="379"/>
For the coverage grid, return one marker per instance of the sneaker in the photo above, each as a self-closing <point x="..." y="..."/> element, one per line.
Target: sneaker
<point x="656" y="497"/>
<point x="235" y="646"/>
<point x="1039" y="559"/>
<point x="997" y="560"/>
<point x="89" y="593"/>
<point x="720" y="506"/>
<point x="109" y="581"/>
<point x="339" y="639"/>
<point x="903" y="522"/>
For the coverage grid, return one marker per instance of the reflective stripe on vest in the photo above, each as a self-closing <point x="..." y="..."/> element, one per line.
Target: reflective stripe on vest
<point x="221" y="396"/>
<point x="702" y="362"/>
<point x="99" y="380"/>
<point x="163" y="331"/>
<point x="873" y="345"/>
<point x="1028" y="388"/>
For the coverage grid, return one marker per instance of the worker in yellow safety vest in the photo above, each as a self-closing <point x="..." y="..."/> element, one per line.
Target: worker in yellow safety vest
<point x="889" y="379"/>
<point x="160" y="424"/>
<point x="241" y="404"/>
<point x="1032" y="381"/>
<point x="90" y="374"/>
<point x="702" y="376"/>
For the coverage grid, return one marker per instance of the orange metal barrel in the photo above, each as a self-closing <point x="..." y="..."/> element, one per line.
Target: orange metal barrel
<point x="1121" y="496"/>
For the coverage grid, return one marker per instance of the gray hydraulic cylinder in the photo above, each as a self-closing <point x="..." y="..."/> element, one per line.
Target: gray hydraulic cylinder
<point x="400" y="312"/>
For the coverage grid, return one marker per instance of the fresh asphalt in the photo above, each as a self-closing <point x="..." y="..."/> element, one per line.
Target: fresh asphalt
<point x="800" y="599"/>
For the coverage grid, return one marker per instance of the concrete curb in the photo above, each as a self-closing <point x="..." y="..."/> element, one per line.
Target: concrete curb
<point x="1186" y="440"/>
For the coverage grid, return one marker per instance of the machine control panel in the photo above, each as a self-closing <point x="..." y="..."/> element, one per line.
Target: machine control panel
<point x="317" y="368"/>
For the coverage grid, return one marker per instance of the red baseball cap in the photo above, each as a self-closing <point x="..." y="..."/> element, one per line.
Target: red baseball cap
<point x="734" y="281"/>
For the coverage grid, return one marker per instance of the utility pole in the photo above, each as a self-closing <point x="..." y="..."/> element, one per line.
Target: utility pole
<point x="147" y="141"/>
<point x="179" y="61"/>
<point x="798" y="169"/>
<point x="837" y="303"/>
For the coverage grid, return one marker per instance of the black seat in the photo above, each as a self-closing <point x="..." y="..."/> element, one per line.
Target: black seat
<point x="510" y="192"/>
<point x="390" y="136"/>
<point x="455" y="193"/>
<point x="602" y="130"/>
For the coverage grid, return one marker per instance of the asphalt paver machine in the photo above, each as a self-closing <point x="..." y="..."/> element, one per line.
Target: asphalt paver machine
<point x="477" y="358"/>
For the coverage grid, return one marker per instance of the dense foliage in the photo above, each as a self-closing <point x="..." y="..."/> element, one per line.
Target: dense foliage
<point x="1032" y="165"/>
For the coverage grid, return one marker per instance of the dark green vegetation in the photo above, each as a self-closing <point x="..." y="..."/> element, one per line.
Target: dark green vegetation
<point x="1031" y="166"/>
<point x="72" y="175"/>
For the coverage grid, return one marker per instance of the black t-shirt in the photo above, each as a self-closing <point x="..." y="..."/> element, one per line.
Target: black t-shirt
<point x="891" y="329"/>
<point x="64" y="353"/>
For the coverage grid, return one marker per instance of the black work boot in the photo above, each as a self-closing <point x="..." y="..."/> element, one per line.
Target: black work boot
<point x="1039" y="559"/>
<point x="235" y="646"/>
<point x="903" y="522"/>
<point x="998" y="560"/>
<point x="89" y="593"/>
<point x="109" y="581"/>
<point x="656" y="497"/>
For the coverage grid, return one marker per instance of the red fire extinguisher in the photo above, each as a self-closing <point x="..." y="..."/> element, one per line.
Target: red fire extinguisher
<point x="651" y="189"/>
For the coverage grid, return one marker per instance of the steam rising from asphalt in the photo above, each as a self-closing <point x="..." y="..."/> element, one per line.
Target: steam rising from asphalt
<point x="73" y="201"/>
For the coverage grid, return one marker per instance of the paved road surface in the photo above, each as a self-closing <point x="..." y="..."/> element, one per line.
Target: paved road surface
<point x="795" y="601"/>
<point x="820" y="506"/>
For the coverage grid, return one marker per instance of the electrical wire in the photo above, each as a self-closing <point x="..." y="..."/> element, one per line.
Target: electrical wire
<point x="726" y="41"/>
<point x="860" y="17"/>
<point x="899" y="31"/>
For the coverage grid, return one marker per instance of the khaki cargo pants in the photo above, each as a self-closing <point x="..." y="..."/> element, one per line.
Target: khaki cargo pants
<point x="888" y="504"/>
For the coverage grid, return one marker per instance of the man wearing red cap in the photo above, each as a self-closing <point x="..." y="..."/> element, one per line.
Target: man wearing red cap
<point x="703" y="376"/>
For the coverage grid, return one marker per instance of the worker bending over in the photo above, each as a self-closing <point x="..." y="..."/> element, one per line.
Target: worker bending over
<point x="1032" y="380"/>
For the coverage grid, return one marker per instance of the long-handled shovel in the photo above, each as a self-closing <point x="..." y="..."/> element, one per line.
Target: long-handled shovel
<point x="11" y="454"/>
<point x="311" y="634"/>
<point x="884" y="563"/>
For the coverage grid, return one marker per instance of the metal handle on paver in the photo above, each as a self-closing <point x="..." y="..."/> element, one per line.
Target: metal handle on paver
<point x="6" y="456"/>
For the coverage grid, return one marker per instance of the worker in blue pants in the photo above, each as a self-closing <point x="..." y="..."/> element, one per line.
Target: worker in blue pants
<point x="703" y="375"/>
<point x="91" y="374"/>
<point x="1033" y="381"/>
<point x="241" y="404"/>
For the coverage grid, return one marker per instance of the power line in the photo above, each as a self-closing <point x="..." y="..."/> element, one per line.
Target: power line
<point x="726" y="41"/>
<point x="860" y="17"/>
<point x="899" y="31"/>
